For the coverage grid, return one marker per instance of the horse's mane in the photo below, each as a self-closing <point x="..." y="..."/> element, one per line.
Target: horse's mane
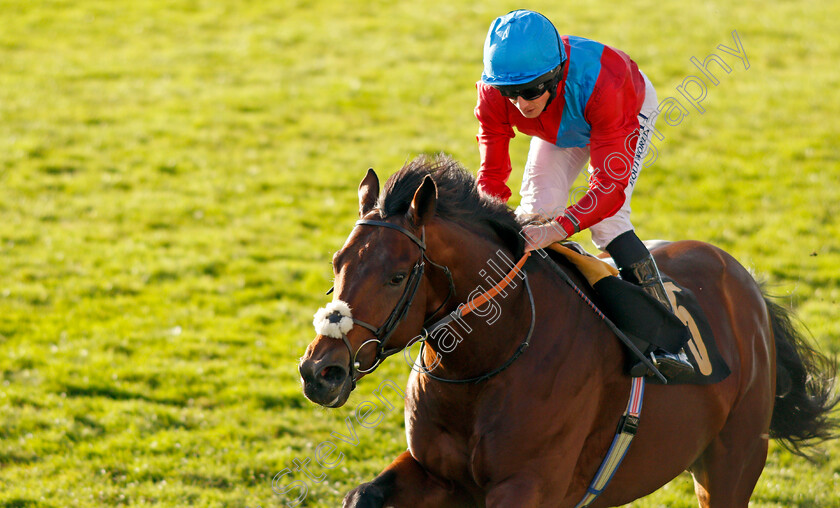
<point x="458" y="198"/>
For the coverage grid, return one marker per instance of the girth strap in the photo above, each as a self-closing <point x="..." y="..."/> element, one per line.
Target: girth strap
<point x="627" y="427"/>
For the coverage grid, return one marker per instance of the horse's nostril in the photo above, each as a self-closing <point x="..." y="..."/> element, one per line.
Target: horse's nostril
<point x="306" y="369"/>
<point x="333" y="374"/>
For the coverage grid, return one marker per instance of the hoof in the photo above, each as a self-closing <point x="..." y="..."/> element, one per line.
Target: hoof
<point x="366" y="495"/>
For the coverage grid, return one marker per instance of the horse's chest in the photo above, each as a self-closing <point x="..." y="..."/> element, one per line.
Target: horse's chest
<point x="442" y="453"/>
<point x="441" y="442"/>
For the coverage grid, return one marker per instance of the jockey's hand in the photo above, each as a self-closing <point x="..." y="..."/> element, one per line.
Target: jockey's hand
<point x="538" y="236"/>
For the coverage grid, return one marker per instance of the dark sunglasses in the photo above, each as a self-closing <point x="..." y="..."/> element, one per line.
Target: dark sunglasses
<point x="528" y="94"/>
<point x="533" y="90"/>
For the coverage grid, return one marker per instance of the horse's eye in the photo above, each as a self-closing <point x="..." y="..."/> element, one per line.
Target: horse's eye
<point x="397" y="279"/>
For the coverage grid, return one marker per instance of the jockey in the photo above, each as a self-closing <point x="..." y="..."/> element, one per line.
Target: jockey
<point x="581" y="101"/>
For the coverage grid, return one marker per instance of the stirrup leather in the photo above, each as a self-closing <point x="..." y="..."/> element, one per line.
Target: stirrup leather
<point x="645" y="274"/>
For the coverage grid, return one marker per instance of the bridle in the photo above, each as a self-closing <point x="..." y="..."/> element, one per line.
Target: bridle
<point x="383" y="333"/>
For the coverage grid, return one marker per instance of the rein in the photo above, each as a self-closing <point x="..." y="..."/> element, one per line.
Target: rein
<point x="472" y="305"/>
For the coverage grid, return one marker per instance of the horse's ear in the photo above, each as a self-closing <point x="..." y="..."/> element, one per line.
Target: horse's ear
<point x="423" y="204"/>
<point x="368" y="192"/>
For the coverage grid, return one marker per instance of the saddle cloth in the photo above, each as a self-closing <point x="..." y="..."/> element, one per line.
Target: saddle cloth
<point x="701" y="348"/>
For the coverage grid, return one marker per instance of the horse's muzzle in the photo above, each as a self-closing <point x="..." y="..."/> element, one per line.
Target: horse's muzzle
<point x="325" y="381"/>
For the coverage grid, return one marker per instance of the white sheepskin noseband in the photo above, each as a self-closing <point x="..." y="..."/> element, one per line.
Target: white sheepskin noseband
<point x="334" y="320"/>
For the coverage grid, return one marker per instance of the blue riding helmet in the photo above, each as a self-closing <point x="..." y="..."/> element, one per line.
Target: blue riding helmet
<point x="520" y="46"/>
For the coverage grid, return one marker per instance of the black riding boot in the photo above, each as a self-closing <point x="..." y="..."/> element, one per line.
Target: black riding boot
<point x="636" y="265"/>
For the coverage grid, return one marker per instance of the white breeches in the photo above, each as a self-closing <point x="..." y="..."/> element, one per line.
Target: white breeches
<point x="551" y="171"/>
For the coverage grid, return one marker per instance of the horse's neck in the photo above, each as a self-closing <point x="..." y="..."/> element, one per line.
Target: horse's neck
<point x="477" y="264"/>
<point x="500" y="326"/>
<point x="569" y="355"/>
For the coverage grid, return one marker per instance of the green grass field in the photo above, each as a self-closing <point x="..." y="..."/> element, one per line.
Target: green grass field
<point x="175" y="176"/>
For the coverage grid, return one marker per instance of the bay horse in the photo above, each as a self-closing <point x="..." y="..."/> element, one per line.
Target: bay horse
<point x="534" y="433"/>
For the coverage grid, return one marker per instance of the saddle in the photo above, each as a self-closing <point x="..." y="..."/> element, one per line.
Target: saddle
<point x="644" y="320"/>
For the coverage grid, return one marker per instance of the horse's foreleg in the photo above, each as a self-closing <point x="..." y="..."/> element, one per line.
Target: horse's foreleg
<point x="405" y="483"/>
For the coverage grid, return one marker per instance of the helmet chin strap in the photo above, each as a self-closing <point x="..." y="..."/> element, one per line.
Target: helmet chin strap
<point x="552" y="88"/>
